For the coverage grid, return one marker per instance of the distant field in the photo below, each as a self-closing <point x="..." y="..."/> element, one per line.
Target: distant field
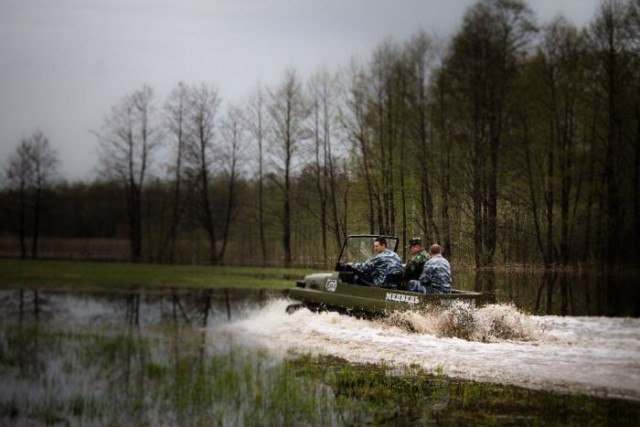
<point x="105" y="275"/>
<point x="187" y="252"/>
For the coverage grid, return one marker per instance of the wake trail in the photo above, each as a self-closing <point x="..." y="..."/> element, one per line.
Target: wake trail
<point x="497" y="343"/>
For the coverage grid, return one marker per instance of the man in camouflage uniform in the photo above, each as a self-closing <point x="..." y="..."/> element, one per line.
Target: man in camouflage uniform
<point x="413" y="268"/>
<point x="384" y="270"/>
<point x="436" y="274"/>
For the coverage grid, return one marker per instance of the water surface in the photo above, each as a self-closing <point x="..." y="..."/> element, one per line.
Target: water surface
<point x="223" y="357"/>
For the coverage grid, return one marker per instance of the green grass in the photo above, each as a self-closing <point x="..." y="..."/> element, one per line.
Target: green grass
<point x="107" y="275"/>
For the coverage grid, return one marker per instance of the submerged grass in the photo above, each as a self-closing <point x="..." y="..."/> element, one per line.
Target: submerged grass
<point x="46" y="274"/>
<point x="159" y="377"/>
<point x="172" y="374"/>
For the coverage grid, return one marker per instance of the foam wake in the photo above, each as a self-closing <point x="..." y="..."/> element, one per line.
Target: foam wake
<point x="490" y="323"/>
<point x="495" y="343"/>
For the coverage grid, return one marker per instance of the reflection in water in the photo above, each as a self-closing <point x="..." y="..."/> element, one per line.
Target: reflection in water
<point x="132" y="310"/>
<point x="485" y="281"/>
<point x="573" y="293"/>
<point x="192" y="307"/>
<point x="25" y="303"/>
<point x="547" y="282"/>
<point x="563" y="293"/>
<point x="224" y="357"/>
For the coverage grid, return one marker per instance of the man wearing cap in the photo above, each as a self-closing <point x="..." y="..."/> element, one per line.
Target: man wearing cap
<point x="414" y="265"/>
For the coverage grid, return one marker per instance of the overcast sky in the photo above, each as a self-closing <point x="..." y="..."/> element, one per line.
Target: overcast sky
<point x="65" y="63"/>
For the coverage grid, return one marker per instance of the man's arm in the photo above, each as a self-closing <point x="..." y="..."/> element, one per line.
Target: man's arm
<point x="365" y="267"/>
<point x="427" y="274"/>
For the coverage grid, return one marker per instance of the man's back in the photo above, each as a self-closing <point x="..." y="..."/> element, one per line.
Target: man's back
<point x="437" y="273"/>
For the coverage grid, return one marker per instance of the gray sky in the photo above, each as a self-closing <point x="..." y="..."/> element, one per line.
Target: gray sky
<point x="65" y="63"/>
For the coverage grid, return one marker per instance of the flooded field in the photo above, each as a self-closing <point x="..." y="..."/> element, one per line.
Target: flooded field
<point x="236" y="358"/>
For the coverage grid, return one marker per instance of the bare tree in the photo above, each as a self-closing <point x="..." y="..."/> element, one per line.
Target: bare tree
<point x="385" y="110"/>
<point x="233" y="136"/>
<point x="204" y="102"/>
<point x="19" y="175"/>
<point x="324" y="97"/>
<point x="564" y="75"/>
<point x="634" y="33"/>
<point x="444" y="134"/>
<point x="609" y="37"/>
<point x="255" y="123"/>
<point x="29" y="174"/>
<point x="288" y="111"/>
<point x="423" y="156"/>
<point x="127" y="138"/>
<point x="484" y="64"/>
<point x="45" y="161"/>
<point x="356" y="123"/>
<point x="320" y="140"/>
<point x="175" y="120"/>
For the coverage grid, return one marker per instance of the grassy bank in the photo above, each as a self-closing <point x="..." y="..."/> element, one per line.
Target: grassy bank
<point x="111" y="275"/>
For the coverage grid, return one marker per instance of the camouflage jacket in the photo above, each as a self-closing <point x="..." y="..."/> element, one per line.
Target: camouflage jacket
<point x="437" y="273"/>
<point x="414" y="266"/>
<point x="380" y="266"/>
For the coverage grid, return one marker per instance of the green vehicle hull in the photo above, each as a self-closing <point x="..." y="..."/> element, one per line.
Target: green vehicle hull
<point x="328" y="291"/>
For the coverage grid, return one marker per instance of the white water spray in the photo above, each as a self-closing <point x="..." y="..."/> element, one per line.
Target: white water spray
<point x="497" y="343"/>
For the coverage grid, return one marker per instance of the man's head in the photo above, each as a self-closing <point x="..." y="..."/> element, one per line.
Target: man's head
<point x="379" y="244"/>
<point x="435" y="249"/>
<point x="415" y="245"/>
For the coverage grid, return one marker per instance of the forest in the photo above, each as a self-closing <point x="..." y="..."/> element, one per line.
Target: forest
<point x="512" y="143"/>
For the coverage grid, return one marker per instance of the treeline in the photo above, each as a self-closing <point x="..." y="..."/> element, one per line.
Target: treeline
<point x="514" y="143"/>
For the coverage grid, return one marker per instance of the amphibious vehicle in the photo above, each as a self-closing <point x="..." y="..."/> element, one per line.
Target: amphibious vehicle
<point x="338" y="291"/>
